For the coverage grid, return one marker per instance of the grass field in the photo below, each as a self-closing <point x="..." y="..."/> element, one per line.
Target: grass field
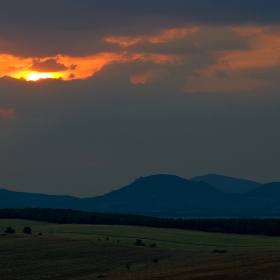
<point x="74" y="252"/>
<point x="164" y="238"/>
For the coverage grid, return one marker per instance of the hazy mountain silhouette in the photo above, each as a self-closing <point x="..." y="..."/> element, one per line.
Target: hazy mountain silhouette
<point x="163" y="195"/>
<point x="266" y="198"/>
<point x="227" y="184"/>
<point x="12" y="199"/>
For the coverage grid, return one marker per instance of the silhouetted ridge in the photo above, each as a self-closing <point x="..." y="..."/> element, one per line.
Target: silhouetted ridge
<point x="162" y="196"/>
<point x="163" y="193"/>
<point x="270" y="190"/>
<point x="227" y="184"/>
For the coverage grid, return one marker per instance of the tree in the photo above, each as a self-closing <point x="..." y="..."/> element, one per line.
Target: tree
<point x="27" y="230"/>
<point x="139" y="242"/>
<point x="10" y="230"/>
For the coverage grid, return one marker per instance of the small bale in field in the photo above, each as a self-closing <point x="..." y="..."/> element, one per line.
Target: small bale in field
<point x="219" y="251"/>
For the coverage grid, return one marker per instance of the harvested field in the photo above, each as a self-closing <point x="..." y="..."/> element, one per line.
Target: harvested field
<point x="45" y="257"/>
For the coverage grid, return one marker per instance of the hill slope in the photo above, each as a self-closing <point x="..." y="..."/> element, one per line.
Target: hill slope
<point x="12" y="199"/>
<point x="227" y="184"/>
<point x="165" y="195"/>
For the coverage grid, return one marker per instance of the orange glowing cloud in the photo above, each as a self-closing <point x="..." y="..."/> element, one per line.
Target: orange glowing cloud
<point x="227" y="74"/>
<point x="141" y="78"/>
<point x="165" y="35"/>
<point x="77" y="67"/>
<point x="223" y="72"/>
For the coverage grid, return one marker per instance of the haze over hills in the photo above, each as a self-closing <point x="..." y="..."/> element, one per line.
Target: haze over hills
<point x="166" y="196"/>
<point x="227" y="184"/>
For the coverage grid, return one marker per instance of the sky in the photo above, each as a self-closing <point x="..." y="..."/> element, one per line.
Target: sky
<point x="94" y="94"/>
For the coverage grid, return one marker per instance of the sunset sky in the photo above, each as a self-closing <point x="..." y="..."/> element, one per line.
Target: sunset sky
<point x="94" y="94"/>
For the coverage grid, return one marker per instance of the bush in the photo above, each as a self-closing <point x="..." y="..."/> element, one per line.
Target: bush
<point x="27" y="230"/>
<point x="10" y="230"/>
<point x="153" y="245"/>
<point x="139" y="242"/>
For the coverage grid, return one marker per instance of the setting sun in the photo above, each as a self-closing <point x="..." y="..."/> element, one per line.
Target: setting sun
<point x="35" y="76"/>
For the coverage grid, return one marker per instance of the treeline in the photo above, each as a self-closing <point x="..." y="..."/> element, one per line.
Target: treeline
<point x="269" y="226"/>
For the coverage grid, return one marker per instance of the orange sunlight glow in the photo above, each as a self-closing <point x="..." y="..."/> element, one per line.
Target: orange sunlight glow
<point x="164" y="36"/>
<point x="35" y="76"/>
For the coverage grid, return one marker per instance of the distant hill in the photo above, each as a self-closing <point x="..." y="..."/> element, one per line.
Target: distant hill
<point x="266" y="198"/>
<point x="161" y="195"/>
<point x="227" y="184"/>
<point x="164" y="196"/>
<point x="269" y="191"/>
<point x="12" y="199"/>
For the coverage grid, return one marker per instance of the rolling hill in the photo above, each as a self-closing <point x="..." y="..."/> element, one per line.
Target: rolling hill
<point x="227" y="184"/>
<point x="162" y="195"/>
<point x="165" y="196"/>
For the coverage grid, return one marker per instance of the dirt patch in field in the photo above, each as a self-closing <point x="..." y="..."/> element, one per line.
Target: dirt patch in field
<point x="41" y="257"/>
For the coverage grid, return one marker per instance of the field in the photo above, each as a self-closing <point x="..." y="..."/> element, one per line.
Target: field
<point x="83" y="252"/>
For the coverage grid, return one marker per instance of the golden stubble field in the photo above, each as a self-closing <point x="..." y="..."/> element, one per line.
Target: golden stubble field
<point x="57" y="254"/>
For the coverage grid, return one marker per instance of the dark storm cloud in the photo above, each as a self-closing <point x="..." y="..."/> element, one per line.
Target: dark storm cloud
<point x="31" y="42"/>
<point x="47" y="28"/>
<point x="49" y="65"/>
<point x="94" y="14"/>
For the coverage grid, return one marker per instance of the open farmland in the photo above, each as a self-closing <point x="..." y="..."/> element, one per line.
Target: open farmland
<point x="74" y="252"/>
<point x="164" y="238"/>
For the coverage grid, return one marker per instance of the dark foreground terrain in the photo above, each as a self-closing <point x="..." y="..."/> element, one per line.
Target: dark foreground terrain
<point x="42" y="257"/>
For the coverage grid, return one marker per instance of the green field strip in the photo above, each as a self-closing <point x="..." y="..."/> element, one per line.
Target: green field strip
<point x="164" y="238"/>
<point x="152" y="239"/>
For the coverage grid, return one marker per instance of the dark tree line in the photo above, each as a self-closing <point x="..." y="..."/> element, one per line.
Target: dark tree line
<point x="269" y="226"/>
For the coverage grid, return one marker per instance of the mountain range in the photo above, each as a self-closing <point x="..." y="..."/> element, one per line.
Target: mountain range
<point x="167" y="196"/>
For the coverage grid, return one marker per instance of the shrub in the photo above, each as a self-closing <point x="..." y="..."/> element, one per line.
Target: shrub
<point x="27" y="230"/>
<point x="10" y="230"/>
<point x="139" y="242"/>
